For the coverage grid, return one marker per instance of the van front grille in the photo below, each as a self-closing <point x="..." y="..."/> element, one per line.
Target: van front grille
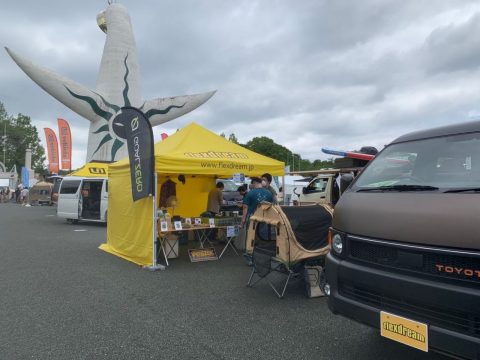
<point x="450" y="319"/>
<point x="451" y="265"/>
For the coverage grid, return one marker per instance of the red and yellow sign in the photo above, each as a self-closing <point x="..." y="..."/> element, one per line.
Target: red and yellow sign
<point x="52" y="150"/>
<point x="65" y="137"/>
<point x="403" y="330"/>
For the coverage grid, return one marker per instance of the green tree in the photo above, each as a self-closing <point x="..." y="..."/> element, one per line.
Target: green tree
<point x="266" y="146"/>
<point x="233" y="138"/>
<point x="21" y="134"/>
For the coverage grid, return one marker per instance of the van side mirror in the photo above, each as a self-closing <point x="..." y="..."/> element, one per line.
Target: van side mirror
<point x="345" y="181"/>
<point x="304" y="190"/>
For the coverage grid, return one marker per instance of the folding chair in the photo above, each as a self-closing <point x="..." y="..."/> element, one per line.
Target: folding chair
<point x="264" y="264"/>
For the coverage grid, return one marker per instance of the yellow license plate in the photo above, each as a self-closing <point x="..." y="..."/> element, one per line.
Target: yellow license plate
<point x="405" y="331"/>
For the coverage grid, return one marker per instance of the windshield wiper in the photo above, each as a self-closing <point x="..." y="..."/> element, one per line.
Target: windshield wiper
<point x="400" y="188"/>
<point x="462" y="190"/>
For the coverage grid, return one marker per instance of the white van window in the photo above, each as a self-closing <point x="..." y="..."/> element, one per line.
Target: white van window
<point x="69" y="186"/>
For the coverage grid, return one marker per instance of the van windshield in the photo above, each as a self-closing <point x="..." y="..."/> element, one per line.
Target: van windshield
<point x="444" y="163"/>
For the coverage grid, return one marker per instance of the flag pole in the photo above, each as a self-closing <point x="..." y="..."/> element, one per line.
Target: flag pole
<point x="154" y="265"/>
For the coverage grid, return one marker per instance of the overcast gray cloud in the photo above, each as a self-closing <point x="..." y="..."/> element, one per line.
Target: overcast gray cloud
<point x="309" y="74"/>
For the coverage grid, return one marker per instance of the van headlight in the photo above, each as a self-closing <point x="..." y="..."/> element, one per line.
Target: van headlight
<point x="337" y="244"/>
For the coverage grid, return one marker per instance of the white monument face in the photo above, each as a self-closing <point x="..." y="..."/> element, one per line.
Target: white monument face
<point x="118" y="85"/>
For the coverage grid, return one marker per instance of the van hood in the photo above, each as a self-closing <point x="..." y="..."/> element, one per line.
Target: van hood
<point x="434" y="219"/>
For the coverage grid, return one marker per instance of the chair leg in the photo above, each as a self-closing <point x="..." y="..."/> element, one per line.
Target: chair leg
<point x="249" y="283"/>
<point x="281" y="295"/>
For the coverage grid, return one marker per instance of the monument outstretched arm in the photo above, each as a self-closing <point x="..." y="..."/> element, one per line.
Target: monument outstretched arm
<point x="77" y="97"/>
<point x="162" y="110"/>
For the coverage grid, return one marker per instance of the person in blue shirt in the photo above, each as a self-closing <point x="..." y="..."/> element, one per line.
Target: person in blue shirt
<point x="253" y="198"/>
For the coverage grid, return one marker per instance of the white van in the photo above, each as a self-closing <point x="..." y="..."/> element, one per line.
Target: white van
<point x="83" y="198"/>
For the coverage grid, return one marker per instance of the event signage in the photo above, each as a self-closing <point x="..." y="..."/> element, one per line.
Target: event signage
<point x="232" y="231"/>
<point x="132" y="125"/>
<point x="25" y="177"/>
<point x="239" y="178"/>
<point x="207" y="254"/>
<point x="163" y="226"/>
<point x="65" y="138"/>
<point x="177" y="225"/>
<point x="52" y="150"/>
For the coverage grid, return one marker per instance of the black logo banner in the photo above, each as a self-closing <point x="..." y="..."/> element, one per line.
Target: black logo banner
<point x="132" y="125"/>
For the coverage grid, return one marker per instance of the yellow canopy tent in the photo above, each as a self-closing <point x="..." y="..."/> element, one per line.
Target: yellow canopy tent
<point x="92" y="169"/>
<point x="200" y="156"/>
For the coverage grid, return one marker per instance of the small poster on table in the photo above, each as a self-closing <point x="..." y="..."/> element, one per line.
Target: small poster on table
<point x="239" y="178"/>
<point x="163" y="226"/>
<point x="177" y="225"/>
<point x="188" y="221"/>
<point x="198" y="221"/>
<point x="231" y="231"/>
<point x="211" y="222"/>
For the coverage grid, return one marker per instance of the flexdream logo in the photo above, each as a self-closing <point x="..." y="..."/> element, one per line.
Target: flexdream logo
<point x="216" y="155"/>
<point x="404" y="331"/>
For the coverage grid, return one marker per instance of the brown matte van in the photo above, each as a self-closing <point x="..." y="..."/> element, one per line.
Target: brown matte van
<point x="405" y="242"/>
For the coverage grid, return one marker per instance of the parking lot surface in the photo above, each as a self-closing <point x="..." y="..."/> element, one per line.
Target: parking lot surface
<point x="63" y="298"/>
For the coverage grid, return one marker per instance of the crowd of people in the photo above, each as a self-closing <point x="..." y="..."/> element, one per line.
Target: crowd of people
<point x="260" y="189"/>
<point x="20" y="195"/>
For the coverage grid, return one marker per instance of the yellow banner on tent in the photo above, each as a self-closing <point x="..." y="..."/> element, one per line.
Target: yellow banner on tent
<point x="199" y="151"/>
<point x="92" y="169"/>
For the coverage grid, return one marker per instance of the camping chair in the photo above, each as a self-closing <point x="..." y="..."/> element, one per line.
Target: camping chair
<point x="265" y="264"/>
<point x="282" y="240"/>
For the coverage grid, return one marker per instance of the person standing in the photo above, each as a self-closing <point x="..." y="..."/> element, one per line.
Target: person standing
<point x="24" y="196"/>
<point x="253" y="198"/>
<point x="17" y="193"/>
<point x="266" y="181"/>
<point x="215" y="199"/>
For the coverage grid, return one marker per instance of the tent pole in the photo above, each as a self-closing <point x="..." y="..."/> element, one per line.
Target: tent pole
<point x="154" y="265"/>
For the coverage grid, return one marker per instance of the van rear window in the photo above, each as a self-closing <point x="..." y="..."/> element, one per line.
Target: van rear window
<point x="69" y="186"/>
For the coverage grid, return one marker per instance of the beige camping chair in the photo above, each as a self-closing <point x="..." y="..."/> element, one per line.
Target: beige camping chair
<point x="282" y="239"/>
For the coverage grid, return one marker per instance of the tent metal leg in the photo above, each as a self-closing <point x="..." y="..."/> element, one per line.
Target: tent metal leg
<point x="229" y="244"/>
<point x="249" y="283"/>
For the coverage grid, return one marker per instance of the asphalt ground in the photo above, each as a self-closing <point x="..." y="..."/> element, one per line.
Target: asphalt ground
<point x="63" y="298"/>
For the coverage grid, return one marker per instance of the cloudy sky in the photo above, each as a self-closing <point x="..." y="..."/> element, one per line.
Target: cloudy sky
<point x="308" y="74"/>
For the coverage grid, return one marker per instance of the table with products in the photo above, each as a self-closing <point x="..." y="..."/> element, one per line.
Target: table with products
<point x="202" y="228"/>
